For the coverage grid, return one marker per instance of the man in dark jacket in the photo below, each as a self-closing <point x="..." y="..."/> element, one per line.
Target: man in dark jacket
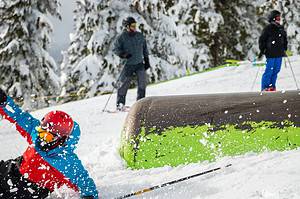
<point x="131" y="47"/>
<point x="49" y="162"/>
<point x="273" y="44"/>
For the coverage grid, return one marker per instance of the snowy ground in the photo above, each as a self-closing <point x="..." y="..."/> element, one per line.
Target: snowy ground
<point x="265" y="176"/>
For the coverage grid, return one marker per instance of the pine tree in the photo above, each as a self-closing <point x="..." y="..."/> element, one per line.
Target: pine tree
<point x="94" y="71"/>
<point x="86" y="20"/>
<point x="89" y="61"/>
<point x="290" y="11"/>
<point x="163" y="19"/>
<point x="84" y="24"/>
<point x="183" y="36"/>
<point x="27" y="70"/>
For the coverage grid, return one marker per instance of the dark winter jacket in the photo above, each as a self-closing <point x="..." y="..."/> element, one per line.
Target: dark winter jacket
<point x="273" y="41"/>
<point x="47" y="169"/>
<point x="131" y="47"/>
<point x="14" y="185"/>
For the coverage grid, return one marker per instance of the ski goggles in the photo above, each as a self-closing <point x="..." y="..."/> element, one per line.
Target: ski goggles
<point x="45" y="135"/>
<point x="277" y="18"/>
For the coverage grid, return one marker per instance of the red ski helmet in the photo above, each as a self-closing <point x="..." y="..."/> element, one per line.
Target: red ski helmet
<point x="58" y="123"/>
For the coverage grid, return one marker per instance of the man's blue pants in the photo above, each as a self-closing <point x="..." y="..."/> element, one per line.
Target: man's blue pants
<point x="269" y="77"/>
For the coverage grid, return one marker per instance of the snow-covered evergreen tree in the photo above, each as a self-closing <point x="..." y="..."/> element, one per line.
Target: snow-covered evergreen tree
<point x="184" y="36"/>
<point x="85" y="22"/>
<point x="95" y="72"/>
<point x="82" y="66"/>
<point x="27" y="70"/>
<point x="290" y="10"/>
<point x="89" y="64"/>
<point x="168" y="26"/>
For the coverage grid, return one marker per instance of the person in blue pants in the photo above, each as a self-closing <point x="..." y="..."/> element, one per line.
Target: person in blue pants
<point x="273" y="44"/>
<point x="269" y="77"/>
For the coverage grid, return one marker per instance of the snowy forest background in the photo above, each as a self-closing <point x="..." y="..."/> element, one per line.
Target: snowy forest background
<point x="184" y="36"/>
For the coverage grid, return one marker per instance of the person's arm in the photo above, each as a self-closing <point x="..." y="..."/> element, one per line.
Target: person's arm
<point x="146" y="55"/>
<point x="263" y="40"/>
<point x="285" y="41"/>
<point x="79" y="176"/>
<point x="3" y="97"/>
<point x="119" y="49"/>
<point x="24" y="121"/>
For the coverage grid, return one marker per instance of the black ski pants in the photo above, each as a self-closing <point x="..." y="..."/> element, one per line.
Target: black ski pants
<point x="15" y="186"/>
<point x="125" y="79"/>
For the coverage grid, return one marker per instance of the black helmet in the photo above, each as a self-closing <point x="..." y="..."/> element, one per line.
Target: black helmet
<point x="128" y="21"/>
<point x="272" y="15"/>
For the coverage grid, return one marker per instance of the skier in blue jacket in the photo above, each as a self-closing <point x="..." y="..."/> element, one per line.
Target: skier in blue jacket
<point x="49" y="161"/>
<point x="273" y="44"/>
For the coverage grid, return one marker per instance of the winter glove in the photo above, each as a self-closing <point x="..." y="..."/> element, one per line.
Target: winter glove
<point x="3" y="97"/>
<point x="146" y="64"/>
<point x="125" y="55"/>
<point x="116" y="85"/>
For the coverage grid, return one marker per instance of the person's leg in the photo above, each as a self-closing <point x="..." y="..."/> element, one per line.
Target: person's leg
<point x="266" y="78"/>
<point x="3" y="171"/>
<point x="10" y="178"/>
<point x="2" y="168"/>
<point x="14" y="185"/>
<point x="124" y="81"/>
<point x="142" y="82"/>
<point x="277" y="67"/>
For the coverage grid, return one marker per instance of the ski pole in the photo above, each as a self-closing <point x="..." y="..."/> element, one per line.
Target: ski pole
<point x="112" y="91"/>
<point x="293" y="73"/>
<point x="170" y="183"/>
<point x="285" y="63"/>
<point x="258" y="69"/>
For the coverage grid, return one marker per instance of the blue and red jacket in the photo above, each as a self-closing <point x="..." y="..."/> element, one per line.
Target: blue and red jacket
<point x="54" y="168"/>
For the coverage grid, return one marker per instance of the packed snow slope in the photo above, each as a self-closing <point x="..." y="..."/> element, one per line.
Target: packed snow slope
<point x="257" y="176"/>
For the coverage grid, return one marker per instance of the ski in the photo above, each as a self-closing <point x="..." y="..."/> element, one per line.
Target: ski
<point x="115" y="111"/>
<point x="124" y="109"/>
<point x="171" y="182"/>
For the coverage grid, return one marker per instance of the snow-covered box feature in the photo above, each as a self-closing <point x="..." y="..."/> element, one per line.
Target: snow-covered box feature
<point x="174" y="130"/>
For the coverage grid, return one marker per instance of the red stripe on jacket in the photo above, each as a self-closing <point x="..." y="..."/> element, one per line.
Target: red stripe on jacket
<point x="41" y="172"/>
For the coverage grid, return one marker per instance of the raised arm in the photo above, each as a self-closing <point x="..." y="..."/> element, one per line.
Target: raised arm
<point x="24" y="121"/>
<point x="79" y="176"/>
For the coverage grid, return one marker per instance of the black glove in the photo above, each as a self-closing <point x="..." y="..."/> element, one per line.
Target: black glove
<point x="147" y="63"/>
<point x="125" y="55"/>
<point x="260" y="55"/>
<point x="3" y="97"/>
<point x="116" y="84"/>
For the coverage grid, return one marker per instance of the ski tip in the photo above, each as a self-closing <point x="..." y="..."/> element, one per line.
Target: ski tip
<point x="116" y="111"/>
<point x="228" y="165"/>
